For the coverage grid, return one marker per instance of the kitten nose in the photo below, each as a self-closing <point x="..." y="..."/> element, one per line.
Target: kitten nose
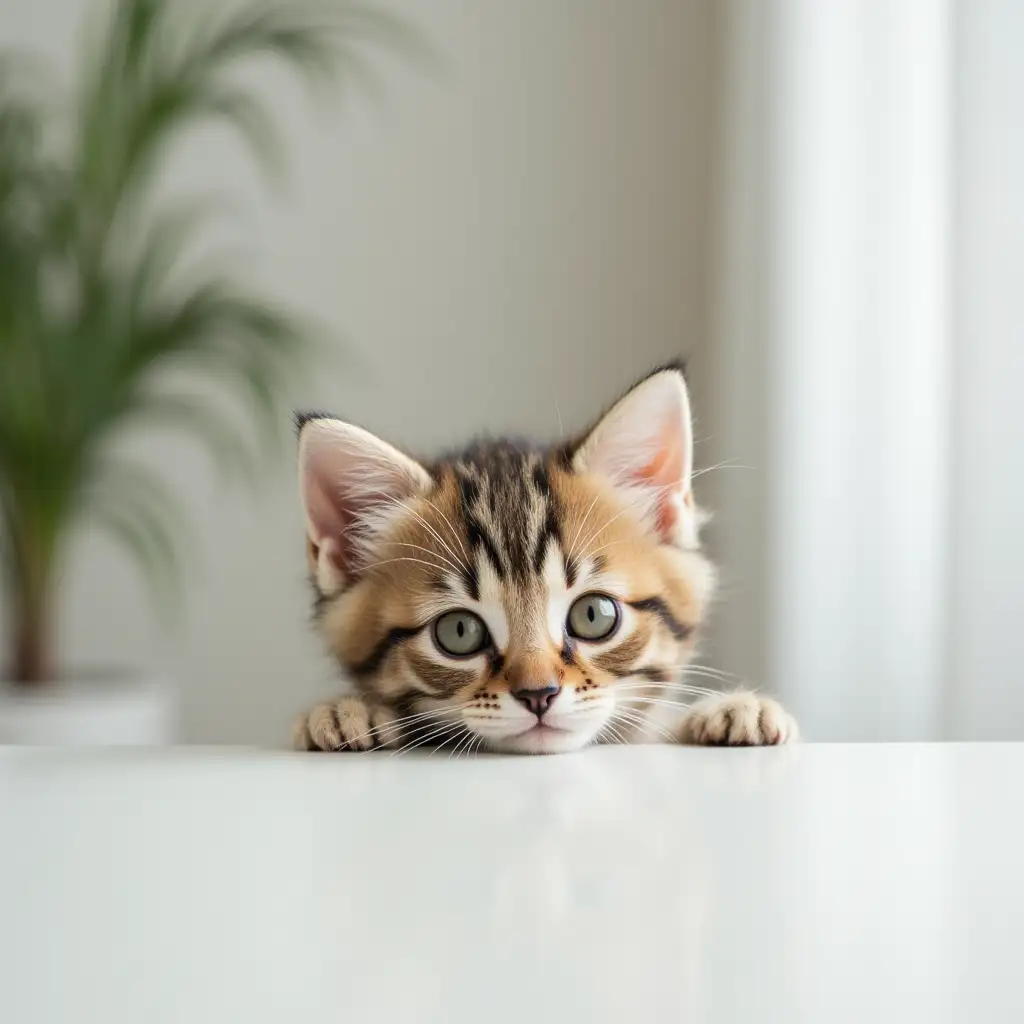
<point x="538" y="699"/>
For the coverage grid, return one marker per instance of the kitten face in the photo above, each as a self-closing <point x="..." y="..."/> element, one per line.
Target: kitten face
<point x="522" y="595"/>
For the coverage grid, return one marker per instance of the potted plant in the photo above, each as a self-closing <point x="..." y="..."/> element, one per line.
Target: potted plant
<point x="106" y="322"/>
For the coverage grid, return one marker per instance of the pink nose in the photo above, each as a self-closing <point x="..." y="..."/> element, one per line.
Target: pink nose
<point x="537" y="699"/>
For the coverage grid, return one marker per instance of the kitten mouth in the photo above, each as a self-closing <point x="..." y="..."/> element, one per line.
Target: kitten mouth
<point x="540" y="727"/>
<point x="544" y="738"/>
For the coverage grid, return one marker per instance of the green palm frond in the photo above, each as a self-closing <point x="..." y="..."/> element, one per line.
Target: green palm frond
<point x="162" y="72"/>
<point x="107" y="318"/>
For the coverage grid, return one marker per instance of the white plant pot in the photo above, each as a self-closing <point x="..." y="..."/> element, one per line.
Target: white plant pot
<point x="95" y="709"/>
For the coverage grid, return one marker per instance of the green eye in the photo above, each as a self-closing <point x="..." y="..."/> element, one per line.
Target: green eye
<point x="593" y="617"/>
<point x="460" y="633"/>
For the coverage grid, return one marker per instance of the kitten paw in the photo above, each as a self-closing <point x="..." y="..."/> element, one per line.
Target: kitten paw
<point x="738" y="720"/>
<point x="345" y="724"/>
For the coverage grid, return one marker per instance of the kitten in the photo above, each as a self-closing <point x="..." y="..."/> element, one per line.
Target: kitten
<point x="513" y="599"/>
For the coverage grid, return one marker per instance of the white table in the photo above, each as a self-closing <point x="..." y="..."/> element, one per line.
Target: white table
<point x="820" y="884"/>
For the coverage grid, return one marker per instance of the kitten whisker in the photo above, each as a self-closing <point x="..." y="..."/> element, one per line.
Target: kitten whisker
<point x="440" y="740"/>
<point x="420" y="731"/>
<point x="724" y="680"/>
<point x="623" y="717"/>
<point x="581" y="708"/>
<point x="700" y="670"/>
<point x="608" y="544"/>
<point x="474" y="747"/>
<point x="404" y="558"/>
<point x="446" y="730"/>
<point x="399" y="724"/>
<point x="427" y="551"/>
<point x="455" y="534"/>
<point x="427" y="716"/>
<point x="727" y="464"/>
<point x="674" y="687"/>
<point x="596" y="533"/>
<point x="610" y="728"/>
<point x="463" y="743"/>
<point x="579" y="529"/>
<point x="403" y="505"/>
<point x="695" y="665"/>
<point x="627" y="724"/>
<point x="453" y="736"/>
<point x="642" y="723"/>
<point x="675" y="705"/>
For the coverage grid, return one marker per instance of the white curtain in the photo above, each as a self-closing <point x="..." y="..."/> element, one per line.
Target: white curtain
<point x="869" y="334"/>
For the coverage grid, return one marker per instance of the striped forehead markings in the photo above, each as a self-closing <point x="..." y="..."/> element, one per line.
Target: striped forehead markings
<point x="508" y="509"/>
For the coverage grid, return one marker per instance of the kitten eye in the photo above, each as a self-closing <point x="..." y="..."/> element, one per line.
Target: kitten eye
<point x="460" y="633"/>
<point x="593" y="617"/>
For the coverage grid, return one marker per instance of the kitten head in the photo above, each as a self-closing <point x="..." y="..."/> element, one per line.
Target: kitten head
<point x="527" y="595"/>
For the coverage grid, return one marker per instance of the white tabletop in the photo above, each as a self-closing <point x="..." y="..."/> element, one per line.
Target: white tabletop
<point x="820" y="884"/>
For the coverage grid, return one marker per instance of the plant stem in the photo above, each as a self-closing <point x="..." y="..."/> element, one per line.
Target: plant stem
<point x="31" y="607"/>
<point x="32" y="661"/>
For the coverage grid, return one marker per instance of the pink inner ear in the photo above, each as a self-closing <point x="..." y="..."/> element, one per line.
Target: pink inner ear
<point x="643" y="447"/>
<point x="665" y="472"/>
<point x="330" y="519"/>
<point x="350" y="483"/>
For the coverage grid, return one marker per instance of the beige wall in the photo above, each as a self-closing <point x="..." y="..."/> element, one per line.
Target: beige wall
<point x="503" y="245"/>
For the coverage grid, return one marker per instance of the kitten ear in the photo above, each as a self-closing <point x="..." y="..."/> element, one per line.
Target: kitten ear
<point x="644" y="447"/>
<point x="352" y="486"/>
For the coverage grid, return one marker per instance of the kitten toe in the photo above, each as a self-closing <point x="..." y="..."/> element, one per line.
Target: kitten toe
<point x="301" y="738"/>
<point x="738" y="720"/>
<point x="342" y="725"/>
